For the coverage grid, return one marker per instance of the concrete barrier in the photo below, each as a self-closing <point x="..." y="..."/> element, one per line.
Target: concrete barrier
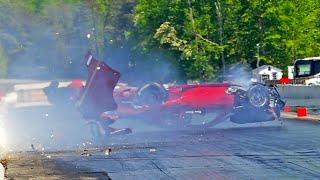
<point x="7" y="85"/>
<point x="300" y="95"/>
<point x="32" y="94"/>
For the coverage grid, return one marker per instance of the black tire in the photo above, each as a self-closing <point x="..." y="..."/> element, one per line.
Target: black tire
<point x="258" y="96"/>
<point x="151" y="94"/>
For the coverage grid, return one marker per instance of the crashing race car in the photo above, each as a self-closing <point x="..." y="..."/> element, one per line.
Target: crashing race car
<point x="201" y="105"/>
<point x="101" y="101"/>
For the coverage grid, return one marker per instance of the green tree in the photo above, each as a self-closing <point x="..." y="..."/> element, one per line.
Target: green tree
<point x="201" y="38"/>
<point x="183" y="27"/>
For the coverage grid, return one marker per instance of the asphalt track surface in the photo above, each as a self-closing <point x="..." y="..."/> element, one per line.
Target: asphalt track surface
<point x="289" y="152"/>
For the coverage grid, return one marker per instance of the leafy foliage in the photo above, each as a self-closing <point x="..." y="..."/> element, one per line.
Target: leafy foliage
<point x="199" y="38"/>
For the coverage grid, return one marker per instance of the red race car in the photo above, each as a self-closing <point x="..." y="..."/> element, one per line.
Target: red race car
<point x="187" y="106"/>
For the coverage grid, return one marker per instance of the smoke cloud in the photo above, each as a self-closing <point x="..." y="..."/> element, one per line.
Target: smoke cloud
<point x="239" y="74"/>
<point x="49" y="48"/>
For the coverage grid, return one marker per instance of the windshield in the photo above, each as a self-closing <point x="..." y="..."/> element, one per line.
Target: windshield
<point x="303" y="69"/>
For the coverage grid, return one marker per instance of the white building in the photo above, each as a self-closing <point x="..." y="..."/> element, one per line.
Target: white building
<point x="291" y="72"/>
<point x="267" y="72"/>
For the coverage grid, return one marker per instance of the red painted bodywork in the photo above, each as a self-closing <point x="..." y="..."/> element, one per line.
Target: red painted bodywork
<point x="200" y="96"/>
<point x="191" y="96"/>
<point x="211" y="97"/>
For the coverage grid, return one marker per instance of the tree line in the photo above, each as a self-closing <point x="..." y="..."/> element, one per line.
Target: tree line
<point x="160" y="39"/>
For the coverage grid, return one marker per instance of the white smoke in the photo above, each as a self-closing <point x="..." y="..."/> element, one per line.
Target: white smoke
<point x="3" y="137"/>
<point x="240" y="74"/>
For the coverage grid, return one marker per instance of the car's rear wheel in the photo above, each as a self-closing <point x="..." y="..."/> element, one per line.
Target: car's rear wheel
<point x="151" y="94"/>
<point x="258" y="96"/>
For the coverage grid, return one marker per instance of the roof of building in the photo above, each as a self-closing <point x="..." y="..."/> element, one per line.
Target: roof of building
<point x="266" y="66"/>
<point x="311" y="58"/>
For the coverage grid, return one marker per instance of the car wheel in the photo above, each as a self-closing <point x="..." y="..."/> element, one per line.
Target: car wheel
<point x="258" y="96"/>
<point x="151" y="94"/>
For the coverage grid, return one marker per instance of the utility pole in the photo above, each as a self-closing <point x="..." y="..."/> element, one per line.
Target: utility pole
<point x="193" y="23"/>
<point x="220" y="23"/>
<point x="258" y="55"/>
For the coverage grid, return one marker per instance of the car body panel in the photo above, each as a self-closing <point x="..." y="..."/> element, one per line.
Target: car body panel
<point x="97" y="95"/>
<point x="200" y="95"/>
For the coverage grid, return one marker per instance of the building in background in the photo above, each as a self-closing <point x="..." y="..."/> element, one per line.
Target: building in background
<point x="266" y="72"/>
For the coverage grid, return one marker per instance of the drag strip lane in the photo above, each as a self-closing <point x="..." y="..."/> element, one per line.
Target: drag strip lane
<point x="252" y="153"/>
